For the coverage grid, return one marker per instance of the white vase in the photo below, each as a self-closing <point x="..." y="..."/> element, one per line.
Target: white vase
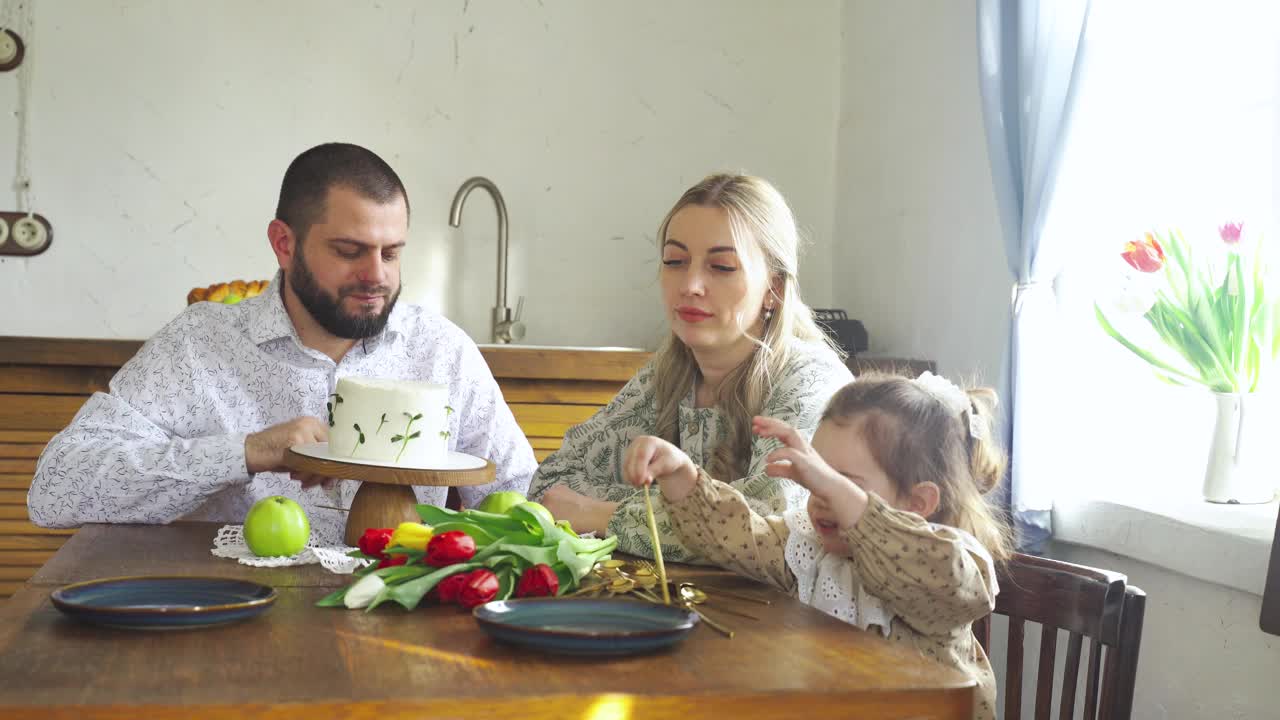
<point x="1240" y="468"/>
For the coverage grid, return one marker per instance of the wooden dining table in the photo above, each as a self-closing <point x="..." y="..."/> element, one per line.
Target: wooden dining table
<point x="302" y="661"/>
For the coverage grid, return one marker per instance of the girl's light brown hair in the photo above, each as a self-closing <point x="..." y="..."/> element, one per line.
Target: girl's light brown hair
<point x="759" y="215"/>
<point x="916" y="438"/>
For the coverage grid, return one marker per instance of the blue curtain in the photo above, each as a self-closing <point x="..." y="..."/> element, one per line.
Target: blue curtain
<point x="1030" y="55"/>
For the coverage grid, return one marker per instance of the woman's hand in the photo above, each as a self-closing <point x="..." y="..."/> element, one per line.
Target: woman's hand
<point x="650" y="458"/>
<point x="585" y="514"/>
<point x="798" y="461"/>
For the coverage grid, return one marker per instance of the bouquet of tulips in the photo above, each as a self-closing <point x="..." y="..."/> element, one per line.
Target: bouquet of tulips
<point x="470" y="557"/>
<point x="1207" y="305"/>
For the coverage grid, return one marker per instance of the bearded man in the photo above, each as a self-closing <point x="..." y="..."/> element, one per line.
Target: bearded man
<point x="196" y="425"/>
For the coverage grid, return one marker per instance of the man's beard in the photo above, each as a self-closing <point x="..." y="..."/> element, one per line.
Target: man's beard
<point x="327" y="309"/>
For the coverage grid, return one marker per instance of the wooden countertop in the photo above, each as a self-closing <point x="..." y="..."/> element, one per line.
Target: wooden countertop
<point x="520" y="362"/>
<point x="511" y="361"/>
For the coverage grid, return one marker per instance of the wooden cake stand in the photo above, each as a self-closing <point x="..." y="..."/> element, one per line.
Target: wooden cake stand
<point x="385" y="497"/>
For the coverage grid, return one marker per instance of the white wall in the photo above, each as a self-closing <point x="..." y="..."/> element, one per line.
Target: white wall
<point x="160" y="132"/>
<point x="1203" y="655"/>
<point x="918" y="257"/>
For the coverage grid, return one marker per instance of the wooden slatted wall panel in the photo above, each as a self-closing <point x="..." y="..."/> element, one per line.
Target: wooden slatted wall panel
<point x="36" y="401"/>
<point x="44" y="382"/>
<point x="23" y="546"/>
<point x="546" y="409"/>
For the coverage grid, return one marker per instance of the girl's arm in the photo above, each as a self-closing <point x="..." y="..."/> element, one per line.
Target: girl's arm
<point x="798" y="399"/>
<point x="936" y="579"/>
<point x="715" y="521"/>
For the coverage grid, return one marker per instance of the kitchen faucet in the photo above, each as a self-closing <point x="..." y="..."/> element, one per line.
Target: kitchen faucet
<point x="506" y="328"/>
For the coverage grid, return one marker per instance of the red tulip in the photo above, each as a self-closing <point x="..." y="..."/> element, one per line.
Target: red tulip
<point x="374" y="541"/>
<point x="481" y="587"/>
<point x="392" y="560"/>
<point x="538" y="581"/>
<point x="1230" y="233"/>
<point x="447" y="590"/>
<point x="1144" y="255"/>
<point x="450" y="548"/>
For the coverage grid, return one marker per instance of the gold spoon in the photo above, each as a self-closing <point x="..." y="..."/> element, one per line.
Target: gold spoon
<point x="738" y="596"/>
<point x="619" y="586"/>
<point x="714" y="625"/>
<point x="587" y="589"/>
<point x="694" y="596"/>
<point x="647" y="595"/>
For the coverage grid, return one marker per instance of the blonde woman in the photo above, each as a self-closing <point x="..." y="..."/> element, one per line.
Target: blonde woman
<point x="742" y="344"/>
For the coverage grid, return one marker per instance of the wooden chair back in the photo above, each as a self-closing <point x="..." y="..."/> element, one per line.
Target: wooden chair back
<point x="1087" y="603"/>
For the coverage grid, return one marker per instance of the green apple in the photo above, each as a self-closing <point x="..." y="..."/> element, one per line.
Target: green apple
<point x="500" y="502"/>
<point x="276" y="526"/>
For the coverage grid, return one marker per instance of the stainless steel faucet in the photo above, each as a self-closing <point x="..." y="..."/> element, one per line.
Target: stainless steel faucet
<point x="506" y="327"/>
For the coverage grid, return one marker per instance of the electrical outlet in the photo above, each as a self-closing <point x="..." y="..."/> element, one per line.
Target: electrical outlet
<point x="29" y="233"/>
<point x="11" y="50"/>
<point x="24" y="234"/>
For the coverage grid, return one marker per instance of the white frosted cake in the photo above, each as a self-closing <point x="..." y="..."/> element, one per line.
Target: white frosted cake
<point x="395" y="421"/>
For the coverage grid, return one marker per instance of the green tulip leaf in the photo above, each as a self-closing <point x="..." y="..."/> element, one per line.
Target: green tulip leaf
<point x="506" y="583"/>
<point x="567" y="580"/>
<point x="401" y="550"/>
<point x="409" y="594"/>
<point x="493" y="523"/>
<point x="481" y="535"/>
<point x="580" y="565"/>
<point x="333" y="599"/>
<point x="531" y="555"/>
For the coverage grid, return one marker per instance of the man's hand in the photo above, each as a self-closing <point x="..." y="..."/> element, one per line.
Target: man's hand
<point x="652" y="459"/>
<point x="264" y="450"/>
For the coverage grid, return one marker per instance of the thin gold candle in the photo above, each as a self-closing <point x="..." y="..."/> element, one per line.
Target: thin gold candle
<point x="657" y="547"/>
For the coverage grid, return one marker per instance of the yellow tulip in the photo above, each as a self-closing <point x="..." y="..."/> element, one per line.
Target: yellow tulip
<point x="412" y="535"/>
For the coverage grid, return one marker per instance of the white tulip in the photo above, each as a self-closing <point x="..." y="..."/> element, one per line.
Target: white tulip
<point x="1135" y="296"/>
<point x="364" y="591"/>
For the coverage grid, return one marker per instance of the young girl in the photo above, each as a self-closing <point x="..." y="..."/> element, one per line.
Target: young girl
<point x="896" y="534"/>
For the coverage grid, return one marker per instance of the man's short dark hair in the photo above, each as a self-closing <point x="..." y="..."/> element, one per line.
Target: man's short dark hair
<point x="311" y="174"/>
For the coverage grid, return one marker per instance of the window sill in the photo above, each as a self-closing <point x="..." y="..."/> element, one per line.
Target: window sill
<point x="1225" y="544"/>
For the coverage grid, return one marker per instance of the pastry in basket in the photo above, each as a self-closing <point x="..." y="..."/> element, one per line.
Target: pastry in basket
<point x="229" y="293"/>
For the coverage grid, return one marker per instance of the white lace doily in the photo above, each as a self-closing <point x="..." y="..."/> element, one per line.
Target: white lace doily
<point x="230" y="544"/>
<point x="825" y="581"/>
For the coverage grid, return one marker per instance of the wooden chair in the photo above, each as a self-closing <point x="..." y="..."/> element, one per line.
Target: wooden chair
<point x="1086" y="602"/>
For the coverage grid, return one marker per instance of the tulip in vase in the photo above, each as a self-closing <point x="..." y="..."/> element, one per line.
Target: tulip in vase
<point x="1217" y="328"/>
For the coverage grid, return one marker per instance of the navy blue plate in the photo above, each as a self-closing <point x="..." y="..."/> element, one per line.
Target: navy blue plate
<point x="586" y="626"/>
<point x="163" y="603"/>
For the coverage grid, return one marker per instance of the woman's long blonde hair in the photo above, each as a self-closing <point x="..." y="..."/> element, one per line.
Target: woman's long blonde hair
<point x="757" y="214"/>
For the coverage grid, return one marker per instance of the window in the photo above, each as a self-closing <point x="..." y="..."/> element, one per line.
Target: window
<point x="1176" y="124"/>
